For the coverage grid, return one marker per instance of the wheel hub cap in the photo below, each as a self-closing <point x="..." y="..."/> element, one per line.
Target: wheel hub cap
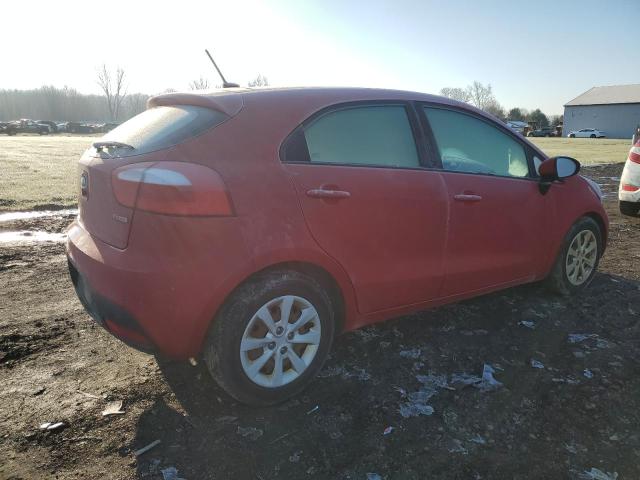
<point x="280" y="341"/>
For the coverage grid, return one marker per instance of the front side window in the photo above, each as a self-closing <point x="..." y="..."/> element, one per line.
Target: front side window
<point x="378" y="135"/>
<point x="468" y="144"/>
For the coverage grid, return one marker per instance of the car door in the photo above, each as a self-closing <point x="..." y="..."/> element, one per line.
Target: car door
<point x="370" y="201"/>
<point x="496" y="220"/>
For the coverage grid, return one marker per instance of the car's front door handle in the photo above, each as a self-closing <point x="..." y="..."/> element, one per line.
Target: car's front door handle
<point x="467" y="197"/>
<point x="322" y="193"/>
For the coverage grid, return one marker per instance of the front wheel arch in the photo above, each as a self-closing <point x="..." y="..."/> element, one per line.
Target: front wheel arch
<point x="603" y="229"/>
<point x="556" y="279"/>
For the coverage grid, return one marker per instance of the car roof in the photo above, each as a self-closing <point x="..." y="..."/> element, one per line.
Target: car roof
<point x="229" y="100"/>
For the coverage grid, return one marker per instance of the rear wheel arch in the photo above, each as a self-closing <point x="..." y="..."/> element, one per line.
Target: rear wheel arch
<point x="318" y="273"/>
<point x="326" y="280"/>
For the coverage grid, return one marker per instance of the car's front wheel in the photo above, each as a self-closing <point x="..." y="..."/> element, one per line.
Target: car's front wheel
<point x="578" y="259"/>
<point x="592" y="136"/>
<point x="271" y="337"/>
<point x="571" y="135"/>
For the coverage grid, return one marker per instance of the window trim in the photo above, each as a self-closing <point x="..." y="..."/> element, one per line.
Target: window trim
<point x="435" y="152"/>
<point x="424" y="163"/>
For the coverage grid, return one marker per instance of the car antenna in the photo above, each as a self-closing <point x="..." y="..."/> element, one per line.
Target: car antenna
<point x="225" y="84"/>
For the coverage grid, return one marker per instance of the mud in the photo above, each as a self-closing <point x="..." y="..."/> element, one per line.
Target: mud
<point x="581" y="411"/>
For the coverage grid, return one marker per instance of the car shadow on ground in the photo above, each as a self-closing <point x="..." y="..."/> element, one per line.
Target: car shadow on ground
<point x="566" y="403"/>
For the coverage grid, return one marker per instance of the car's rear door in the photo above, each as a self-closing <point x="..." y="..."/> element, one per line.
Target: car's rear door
<point x="370" y="200"/>
<point x="497" y="220"/>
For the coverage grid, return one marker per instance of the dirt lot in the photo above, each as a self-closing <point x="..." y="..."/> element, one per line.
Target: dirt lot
<point x="580" y="411"/>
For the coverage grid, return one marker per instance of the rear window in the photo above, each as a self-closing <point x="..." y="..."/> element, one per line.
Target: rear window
<point x="162" y="127"/>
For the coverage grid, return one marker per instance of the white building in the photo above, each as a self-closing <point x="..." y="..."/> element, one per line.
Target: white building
<point x="615" y="110"/>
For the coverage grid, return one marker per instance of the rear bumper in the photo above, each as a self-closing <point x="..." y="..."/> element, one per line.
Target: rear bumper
<point x="108" y="315"/>
<point x="161" y="293"/>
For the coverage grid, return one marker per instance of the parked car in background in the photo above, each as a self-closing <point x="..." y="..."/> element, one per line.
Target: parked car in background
<point x="10" y="128"/>
<point x="76" y="127"/>
<point x="543" y="132"/>
<point x="586" y="133"/>
<point x="25" y="126"/>
<point x="105" y="127"/>
<point x="53" y="127"/>
<point x="629" y="191"/>
<point x="62" y="126"/>
<point x="208" y="229"/>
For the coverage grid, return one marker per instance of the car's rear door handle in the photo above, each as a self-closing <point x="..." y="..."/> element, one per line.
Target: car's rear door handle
<point x="322" y="193"/>
<point x="467" y="197"/>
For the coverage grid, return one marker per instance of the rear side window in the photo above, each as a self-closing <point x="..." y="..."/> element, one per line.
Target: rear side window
<point x="468" y="144"/>
<point x="162" y="127"/>
<point x="378" y="135"/>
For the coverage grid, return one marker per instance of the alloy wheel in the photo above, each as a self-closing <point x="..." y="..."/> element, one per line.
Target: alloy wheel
<point x="581" y="257"/>
<point x="280" y="341"/>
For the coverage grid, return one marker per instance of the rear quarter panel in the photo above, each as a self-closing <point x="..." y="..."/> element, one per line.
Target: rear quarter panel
<point x="264" y="200"/>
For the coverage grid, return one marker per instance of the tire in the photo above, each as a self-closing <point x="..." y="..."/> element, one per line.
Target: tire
<point x="592" y="136"/>
<point x="560" y="279"/>
<point x="630" y="208"/>
<point x="238" y="318"/>
<point x="571" y="135"/>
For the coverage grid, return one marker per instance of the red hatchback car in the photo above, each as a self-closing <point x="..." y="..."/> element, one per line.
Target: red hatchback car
<point x="248" y="227"/>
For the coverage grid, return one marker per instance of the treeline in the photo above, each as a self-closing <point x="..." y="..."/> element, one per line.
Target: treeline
<point x="65" y="104"/>
<point x="482" y="97"/>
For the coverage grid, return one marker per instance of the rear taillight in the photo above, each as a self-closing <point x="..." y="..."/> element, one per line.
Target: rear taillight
<point x="172" y="188"/>
<point x="627" y="187"/>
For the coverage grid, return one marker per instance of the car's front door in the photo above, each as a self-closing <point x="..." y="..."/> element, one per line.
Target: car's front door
<point x="496" y="210"/>
<point x="369" y="201"/>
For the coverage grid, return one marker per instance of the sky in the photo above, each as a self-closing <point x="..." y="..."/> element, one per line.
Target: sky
<point x="537" y="54"/>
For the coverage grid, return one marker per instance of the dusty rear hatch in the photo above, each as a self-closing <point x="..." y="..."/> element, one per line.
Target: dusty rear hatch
<point x="146" y="138"/>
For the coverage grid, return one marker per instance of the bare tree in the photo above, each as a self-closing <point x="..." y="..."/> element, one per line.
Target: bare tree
<point x="480" y="95"/>
<point x="454" y="93"/>
<point x="259" y="81"/>
<point x="135" y="103"/>
<point x="495" y="109"/>
<point x="113" y="88"/>
<point x="199" y="84"/>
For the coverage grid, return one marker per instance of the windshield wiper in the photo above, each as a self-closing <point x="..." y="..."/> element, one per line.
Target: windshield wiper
<point x="106" y="144"/>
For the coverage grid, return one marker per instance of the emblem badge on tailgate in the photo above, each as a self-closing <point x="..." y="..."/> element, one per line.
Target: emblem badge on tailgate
<point x="84" y="184"/>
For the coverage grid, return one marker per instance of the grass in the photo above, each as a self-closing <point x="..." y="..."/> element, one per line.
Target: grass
<point x="588" y="151"/>
<point x="41" y="172"/>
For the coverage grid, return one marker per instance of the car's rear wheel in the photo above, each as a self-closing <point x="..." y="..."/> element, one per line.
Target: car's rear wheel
<point x="271" y="337"/>
<point x="629" y="208"/>
<point x="592" y="136"/>
<point x="578" y="259"/>
<point x="571" y="135"/>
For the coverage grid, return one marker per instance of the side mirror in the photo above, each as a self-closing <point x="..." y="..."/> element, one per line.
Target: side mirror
<point x="556" y="168"/>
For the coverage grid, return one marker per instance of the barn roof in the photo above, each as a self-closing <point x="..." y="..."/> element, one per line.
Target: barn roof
<point x="608" y="95"/>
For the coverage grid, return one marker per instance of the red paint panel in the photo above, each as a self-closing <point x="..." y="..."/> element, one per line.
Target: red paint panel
<point x="388" y="234"/>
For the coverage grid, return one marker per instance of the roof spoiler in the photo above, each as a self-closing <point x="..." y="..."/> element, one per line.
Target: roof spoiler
<point x="230" y="103"/>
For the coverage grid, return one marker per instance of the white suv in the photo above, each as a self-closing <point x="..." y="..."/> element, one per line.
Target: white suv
<point x="629" y="193"/>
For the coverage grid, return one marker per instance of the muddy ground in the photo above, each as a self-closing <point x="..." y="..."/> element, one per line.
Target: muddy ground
<point x="580" y="411"/>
